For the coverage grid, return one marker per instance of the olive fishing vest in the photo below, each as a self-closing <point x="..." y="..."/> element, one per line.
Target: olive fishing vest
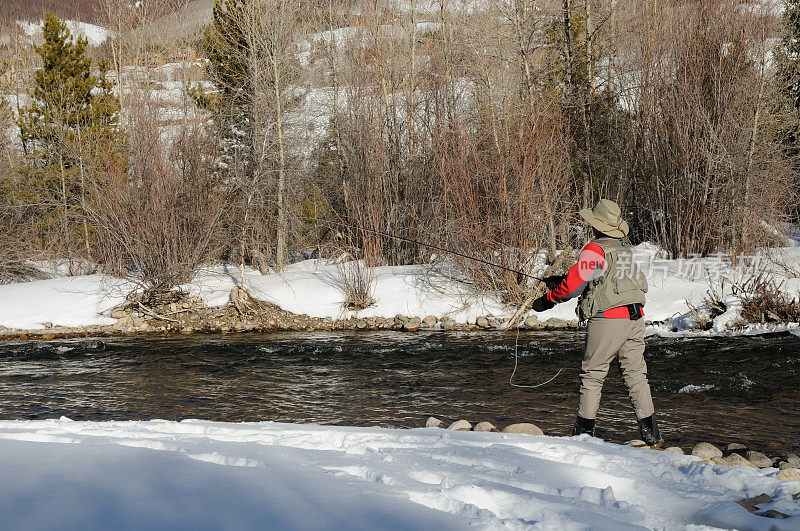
<point x="620" y="284"/>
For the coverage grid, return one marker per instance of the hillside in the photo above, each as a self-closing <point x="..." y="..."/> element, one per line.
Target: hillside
<point x="82" y="10"/>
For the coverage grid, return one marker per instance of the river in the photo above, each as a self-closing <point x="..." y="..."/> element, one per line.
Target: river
<point x="714" y="389"/>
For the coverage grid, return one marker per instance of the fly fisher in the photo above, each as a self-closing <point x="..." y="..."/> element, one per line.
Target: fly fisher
<point x="611" y="298"/>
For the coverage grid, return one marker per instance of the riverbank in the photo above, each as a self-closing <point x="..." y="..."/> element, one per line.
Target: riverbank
<point x="309" y="296"/>
<point x="61" y="473"/>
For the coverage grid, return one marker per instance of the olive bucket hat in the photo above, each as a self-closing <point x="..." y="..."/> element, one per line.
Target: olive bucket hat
<point x="606" y="217"/>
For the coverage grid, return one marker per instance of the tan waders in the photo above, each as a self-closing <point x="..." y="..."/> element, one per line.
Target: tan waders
<point x="605" y="340"/>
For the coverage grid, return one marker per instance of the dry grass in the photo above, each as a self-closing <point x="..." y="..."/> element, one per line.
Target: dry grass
<point x="358" y="284"/>
<point x="765" y="301"/>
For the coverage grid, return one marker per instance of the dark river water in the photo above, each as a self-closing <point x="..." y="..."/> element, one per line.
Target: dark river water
<point x="720" y="390"/>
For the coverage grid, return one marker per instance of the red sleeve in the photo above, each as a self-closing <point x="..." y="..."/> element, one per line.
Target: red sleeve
<point x="590" y="265"/>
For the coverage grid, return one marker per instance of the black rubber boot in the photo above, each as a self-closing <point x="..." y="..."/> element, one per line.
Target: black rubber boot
<point x="648" y="429"/>
<point x="583" y="425"/>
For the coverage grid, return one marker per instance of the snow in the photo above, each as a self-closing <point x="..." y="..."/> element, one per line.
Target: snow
<point x="67" y="301"/>
<point x="66" y="474"/>
<point x="95" y="35"/>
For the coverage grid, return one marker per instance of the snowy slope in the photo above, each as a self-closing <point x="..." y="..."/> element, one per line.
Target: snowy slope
<point x="198" y="474"/>
<point x="95" y="35"/>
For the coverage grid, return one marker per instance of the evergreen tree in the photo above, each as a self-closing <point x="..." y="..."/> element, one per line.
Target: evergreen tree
<point x="69" y="127"/>
<point x="788" y="74"/>
<point x="227" y="50"/>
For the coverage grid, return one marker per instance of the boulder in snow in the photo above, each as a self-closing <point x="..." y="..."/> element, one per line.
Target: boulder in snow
<point x="738" y="460"/>
<point x="523" y="427"/>
<point x="735" y="447"/>
<point x="433" y="422"/>
<point x="706" y="450"/>
<point x="482" y="321"/>
<point x="460" y="425"/>
<point x="759" y="460"/>
<point x="430" y="321"/>
<point x="674" y="450"/>
<point x="789" y="474"/>
<point x="485" y="426"/>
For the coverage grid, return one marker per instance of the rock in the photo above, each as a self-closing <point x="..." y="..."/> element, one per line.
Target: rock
<point x="751" y="503"/>
<point x="433" y="422"/>
<point x="555" y="322"/>
<point x="48" y="325"/>
<point x="482" y="321"/>
<point x="460" y="425"/>
<point x="412" y="325"/>
<point x="636" y="443"/>
<point x="117" y="313"/>
<point x="789" y="474"/>
<point x="430" y="321"/>
<point x="485" y="426"/>
<point x="706" y="450"/>
<point x="793" y="460"/>
<point x="796" y="496"/>
<point x="495" y="323"/>
<point x="735" y="447"/>
<point x="772" y="513"/>
<point x="720" y="461"/>
<point x="674" y="450"/>
<point x="783" y="465"/>
<point x="738" y="460"/>
<point x="532" y="322"/>
<point x="361" y="324"/>
<point x="758" y="459"/>
<point x="448" y="323"/>
<point x="523" y="427"/>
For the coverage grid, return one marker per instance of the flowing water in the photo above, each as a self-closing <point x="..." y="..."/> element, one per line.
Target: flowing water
<point x="720" y="389"/>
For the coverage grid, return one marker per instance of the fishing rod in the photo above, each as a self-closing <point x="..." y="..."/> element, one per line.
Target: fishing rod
<point x="433" y="246"/>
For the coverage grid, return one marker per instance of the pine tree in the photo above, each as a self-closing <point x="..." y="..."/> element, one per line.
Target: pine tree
<point x="788" y="74"/>
<point x="70" y="125"/>
<point x="227" y="50"/>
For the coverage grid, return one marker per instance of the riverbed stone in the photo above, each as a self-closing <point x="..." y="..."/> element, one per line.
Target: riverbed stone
<point x="636" y="443"/>
<point x="430" y="321"/>
<point x="448" y="323"/>
<point x="783" y="464"/>
<point x="758" y="459"/>
<point x="523" y="427"/>
<point x="738" y="460"/>
<point x="674" y="450"/>
<point x="739" y="448"/>
<point x="460" y="425"/>
<point x="555" y="323"/>
<point x="485" y="426"/>
<point x="532" y="322"/>
<point x="412" y="325"/>
<point x="788" y="474"/>
<point x="793" y="459"/>
<point x="482" y="321"/>
<point x="433" y="422"/>
<point x="706" y="450"/>
<point x="751" y="504"/>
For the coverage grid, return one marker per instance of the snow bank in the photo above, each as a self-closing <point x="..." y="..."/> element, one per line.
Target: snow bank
<point x="314" y="288"/>
<point x="60" y="473"/>
<point x="68" y="301"/>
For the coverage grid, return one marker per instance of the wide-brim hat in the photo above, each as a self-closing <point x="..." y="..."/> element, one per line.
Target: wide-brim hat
<point x="606" y="216"/>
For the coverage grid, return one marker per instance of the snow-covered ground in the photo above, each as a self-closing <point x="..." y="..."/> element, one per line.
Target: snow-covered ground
<point x="203" y="475"/>
<point x="315" y="288"/>
<point x="95" y="35"/>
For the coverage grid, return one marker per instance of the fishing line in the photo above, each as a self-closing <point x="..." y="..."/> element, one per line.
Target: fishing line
<point x="516" y="360"/>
